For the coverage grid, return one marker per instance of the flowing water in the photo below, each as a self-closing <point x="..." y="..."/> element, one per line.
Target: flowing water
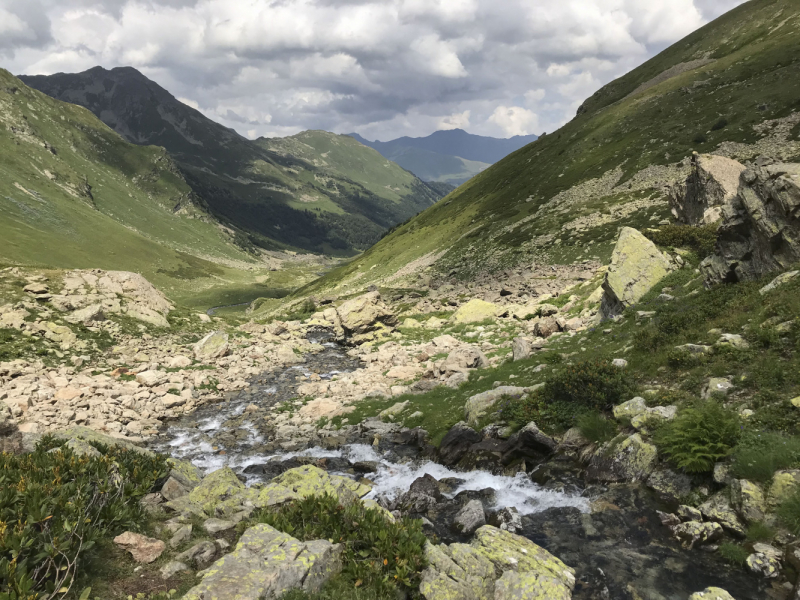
<point x="620" y="551"/>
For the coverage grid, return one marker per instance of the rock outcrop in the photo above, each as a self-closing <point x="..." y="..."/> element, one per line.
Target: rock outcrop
<point x="498" y="565"/>
<point x="713" y="183"/>
<point x="760" y="227"/>
<point x="364" y="317"/>
<point x="636" y="266"/>
<point x="266" y="564"/>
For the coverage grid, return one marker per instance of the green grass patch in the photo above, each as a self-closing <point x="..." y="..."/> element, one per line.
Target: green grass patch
<point x="596" y="428"/>
<point x="760" y="454"/>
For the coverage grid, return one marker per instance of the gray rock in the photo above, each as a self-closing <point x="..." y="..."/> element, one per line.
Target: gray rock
<point x="173" y="488"/>
<point x="267" y="563"/>
<point x="631" y="408"/>
<point x="214" y="345"/>
<point x="213" y="526"/>
<point x="717" y="385"/>
<point x="696" y="533"/>
<point x="172" y="568"/>
<point x="470" y="518"/>
<point x="456" y="443"/>
<point x="183" y="534"/>
<point x="521" y="348"/>
<point x="670" y="486"/>
<point x="712" y="184"/>
<point x="620" y="363"/>
<point x="761" y="564"/>
<point x="480" y="404"/>
<point x="200" y="555"/>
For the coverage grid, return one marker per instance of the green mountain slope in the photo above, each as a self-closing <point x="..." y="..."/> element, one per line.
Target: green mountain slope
<point x="732" y="88"/>
<point x="73" y="193"/>
<point x="281" y="199"/>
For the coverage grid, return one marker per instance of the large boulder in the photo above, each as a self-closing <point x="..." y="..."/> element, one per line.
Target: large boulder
<point x="214" y="345"/>
<point x="475" y="311"/>
<point x="309" y="480"/>
<point x="497" y="565"/>
<point x="759" y="232"/>
<point x="748" y="500"/>
<point x="711" y="593"/>
<point x="266" y="564"/>
<point x="631" y="459"/>
<point x="365" y="315"/>
<point x="480" y="404"/>
<point x="636" y="266"/>
<point x="456" y="443"/>
<point x="712" y="183"/>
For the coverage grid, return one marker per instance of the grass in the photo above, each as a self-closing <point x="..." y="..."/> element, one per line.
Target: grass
<point x="760" y="454"/>
<point x="597" y="428"/>
<point x="733" y="553"/>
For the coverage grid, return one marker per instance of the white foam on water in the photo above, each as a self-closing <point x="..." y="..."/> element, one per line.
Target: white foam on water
<point x="519" y="491"/>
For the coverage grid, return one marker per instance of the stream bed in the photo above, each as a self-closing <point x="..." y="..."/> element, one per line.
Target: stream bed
<point x="610" y="534"/>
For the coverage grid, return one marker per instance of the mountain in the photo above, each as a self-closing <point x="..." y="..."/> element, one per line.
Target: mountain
<point x="306" y="201"/>
<point x="730" y="88"/>
<point x="73" y="193"/>
<point x="452" y="156"/>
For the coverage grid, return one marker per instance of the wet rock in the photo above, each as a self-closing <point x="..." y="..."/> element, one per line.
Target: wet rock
<point x="747" y="499"/>
<point x="507" y="519"/>
<point x="172" y="568"/>
<point x="212" y="346"/>
<point x="423" y="495"/>
<point x="696" y="533"/>
<point x="456" y="443"/>
<point x="470" y="518"/>
<point x="529" y="442"/>
<point x="267" y="563"/>
<point x="636" y="266"/>
<point x="479" y="405"/>
<point x="711" y="593"/>
<point x="143" y="549"/>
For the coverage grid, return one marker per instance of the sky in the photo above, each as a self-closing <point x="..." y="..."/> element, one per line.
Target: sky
<point x="381" y="68"/>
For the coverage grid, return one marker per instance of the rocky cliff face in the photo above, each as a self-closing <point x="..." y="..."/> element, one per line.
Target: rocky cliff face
<point x="758" y="217"/>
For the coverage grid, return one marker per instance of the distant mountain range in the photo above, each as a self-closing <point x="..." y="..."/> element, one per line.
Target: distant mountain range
<point x="315" y="191"/>
<point x="451" y="156"/>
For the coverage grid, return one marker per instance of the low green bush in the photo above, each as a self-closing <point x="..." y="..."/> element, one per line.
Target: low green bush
<point x="378" y="555"/>
<point x="698" y="239"/>
<point x="733" y="553"/>
<point x="699" y="436"/>
<point x="759" y="531"/>
<point x="593" y="384"/>
<point x="789" y="513"/>
<point x="759" y="455"/>
<point x="597" y="428"/>
<point x="55" y="506"/>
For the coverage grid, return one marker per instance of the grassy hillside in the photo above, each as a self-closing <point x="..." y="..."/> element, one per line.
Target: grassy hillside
<point x="74" y="194"/>
<point x="732" y="87"/>
<point x="284" y="194"/>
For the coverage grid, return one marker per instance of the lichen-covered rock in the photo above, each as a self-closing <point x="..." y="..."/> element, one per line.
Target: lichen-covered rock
<point x="695" y="533"/>
<point x="470" y="517"/>
<point x="528" y="586"/>
<point x="631" y="459"/>
<point x="309" y="480"/>
<point x="711" y="593"/>
<point x="266" y="564"/>
<point x="480" y="404"/>
<point x="747" y="499"/>
<point x="475" y="311"/>
<point x="670" y="486"/>
<point x="456" y="572"/>
<point x="214" y="345"/>
<point x="784" y="484"/>
<point x="365" y="315"/>
<point x="718" y="509"/>
<point x="636" y="266"/>
<point x="764" y="565"/>
<point x="90" y="435"/>
<point x="273" y="494"/>
<point x="219" y="494"/>
<point x="629" y="409"/>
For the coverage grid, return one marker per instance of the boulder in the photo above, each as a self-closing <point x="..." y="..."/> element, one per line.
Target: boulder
<point x="456" y="443"/>
<point x="309" y="480"/>
<point x="711" y="593"/>
<point x="181" y="535"/>
<point x="631" y="459"/>
<point x="143" y="549"/>
<point x="463" y="358"/>
<point x="712" y="183"/>
<point x="200" y="555"/>
<point x="717" y="385"/>
<point x="528" y="443"/>
<point x="784" y="484"/>
<point x="172" y="568"/>
<point x="475" y="311"/>
<point x="696" y="533"/>
<point x="545" y="327"/>
<point x="778" y="282"/>
<point x="365" y="314"/>
<point x="630" y="409"/>
<point x="91" y="314"/>
<point x="747" y="499"/>
<point x="470" y="517"/>
<point x="718" y="509"/>
<point x="151" y="378"/>
<point x="220" y="493"/>
<point x="636" y="266"/>
<point x="214" y="526"/>
<point x="671" y="487"/>
<point x="521" y="348"/>
<point x="764" y="565"/>
<point x="759" y="231"/>
<point x="212" y="346"/>
<point x="266" y="564"/>
<point x="480" y="404"/>
<point x="497" y="565"/>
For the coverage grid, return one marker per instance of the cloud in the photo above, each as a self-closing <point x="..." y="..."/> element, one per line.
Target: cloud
<point x="383" y="68"/>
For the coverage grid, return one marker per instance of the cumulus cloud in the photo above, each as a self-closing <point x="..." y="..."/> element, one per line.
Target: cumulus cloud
<point x="383" y="68"/>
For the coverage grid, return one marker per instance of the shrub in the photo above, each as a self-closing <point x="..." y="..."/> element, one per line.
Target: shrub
<point x="789" y="513"/>
<point x="721" y="124"/>
<point x="378" y="554"/>
<point x="759" y="531"/>
<point x="699" y="436"/>
<point x="56" y="505"/>
<point x="759" y="455"/>
<point x="698" y="239"/>
<point x="733" y="553"/>
<point x="592" y="384"/>
<point x="596" y="428"/>
<point x="700" y="138"/>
